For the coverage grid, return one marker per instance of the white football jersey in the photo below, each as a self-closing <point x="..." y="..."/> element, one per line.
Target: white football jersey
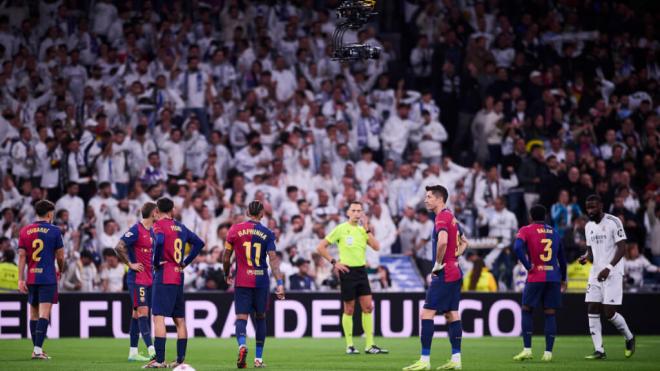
<point x="602" y="238"/>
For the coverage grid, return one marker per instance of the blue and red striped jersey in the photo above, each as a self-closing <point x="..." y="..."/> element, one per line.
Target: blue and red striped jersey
<point x="139" y="244"/>
<point x="445" y="221"/>
<point x="172" y="240"/>
<point x="40" y="240"/>
<point x="538" y="247"/>
<point x="251" y="241"/>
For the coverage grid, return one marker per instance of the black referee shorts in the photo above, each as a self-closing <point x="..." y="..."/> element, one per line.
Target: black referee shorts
<point x="354" y="284"/>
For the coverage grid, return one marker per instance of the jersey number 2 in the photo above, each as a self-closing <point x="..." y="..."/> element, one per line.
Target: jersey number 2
<point x="248" y="252"/>
<point x="37" y="246"/>
<point x="547" y="250"/>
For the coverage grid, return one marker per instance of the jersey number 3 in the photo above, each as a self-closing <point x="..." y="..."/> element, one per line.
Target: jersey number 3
<point x="248" y="252"/>
<point x="37" y="247"/>
<point x="547" y="250"/>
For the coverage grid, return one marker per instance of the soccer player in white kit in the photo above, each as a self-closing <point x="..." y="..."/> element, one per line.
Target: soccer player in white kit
<point x="606" y="244"/>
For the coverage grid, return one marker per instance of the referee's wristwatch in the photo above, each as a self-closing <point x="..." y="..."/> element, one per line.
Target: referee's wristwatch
<point x="333" y="262"/>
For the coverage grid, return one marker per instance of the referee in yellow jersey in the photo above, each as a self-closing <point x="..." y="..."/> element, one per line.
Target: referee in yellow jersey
<point x="352" y="240"/>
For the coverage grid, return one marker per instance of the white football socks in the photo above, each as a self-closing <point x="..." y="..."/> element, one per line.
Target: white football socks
<point x="620" y="323"/>
<point x="596" y="330"/>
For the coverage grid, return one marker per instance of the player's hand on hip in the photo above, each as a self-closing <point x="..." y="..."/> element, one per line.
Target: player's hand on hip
<point x="279" y="291"/>
<point x="437" y="268"/>
<point x="342" y="268"/>
<point x="602" y="276"/>
<point x="22" y="287"/>
<point x="138" y="267"/>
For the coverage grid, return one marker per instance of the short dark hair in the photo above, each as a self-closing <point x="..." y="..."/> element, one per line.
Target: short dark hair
<point x="147" y="209"/>
<point x="594" y="198"/>
<point x="107" y="252"/>
<point x="165" y="205"/>
<point x="438" y="190"/>
<point x="43" y="207"/>
<point x="9" y="256"/>
<point x="255" y="208"/>
<point x="86" y="254"/>
<point x="354" y="203"/>
<point x="538" y="212"/>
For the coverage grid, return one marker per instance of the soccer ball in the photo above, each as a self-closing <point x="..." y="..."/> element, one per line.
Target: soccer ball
<point x="184" y="367"/>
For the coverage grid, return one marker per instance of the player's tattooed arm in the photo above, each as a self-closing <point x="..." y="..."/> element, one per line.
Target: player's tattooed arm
<point x="226" y="260"/>
<point x="22" y="287"/>
<point x="275" y="267"/>
<point x="122" y="253"/>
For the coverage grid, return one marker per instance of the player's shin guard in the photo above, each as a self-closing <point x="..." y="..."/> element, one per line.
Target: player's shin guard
<point x="134" y="333"/>
<point x="455" y="332"/>
<point x="260" y="337"/>
<point x="145" y="330"/>
<point x="241" y="331"/>
<point x="181" y="345"/>
<point x="159" y="344"/>
<point x="33" y="330"/>
<point x="368" y="327"/>
<point x="595" y="328"/>
<point x="527" y="328"/>
<point x="40" y="334"/>
<point x="347" y="324"/>
<point x="550" y="331"/>
<point x="620" y="323"/>
<point x="428" y="328"/>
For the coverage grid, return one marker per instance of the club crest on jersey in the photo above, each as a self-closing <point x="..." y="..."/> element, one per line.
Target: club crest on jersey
<point x="128" y="234"/>
<point x="349" y="240"/>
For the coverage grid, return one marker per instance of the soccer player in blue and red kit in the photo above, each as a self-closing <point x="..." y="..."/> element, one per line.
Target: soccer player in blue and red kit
<point x="171" y="238"/>
<point x="39" y="246"/>
<point x="444" y="293"/>
<point x="252" y="243"/>
<point x="135" y="249"/>
<point x="538" y="247"/>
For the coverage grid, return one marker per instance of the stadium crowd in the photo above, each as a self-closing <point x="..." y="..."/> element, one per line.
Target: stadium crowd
<point x="106" y="105"/>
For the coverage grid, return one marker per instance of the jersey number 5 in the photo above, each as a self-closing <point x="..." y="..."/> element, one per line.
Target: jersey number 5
<point x="37" y="247"/>
<point x="248" y="252"/>
<point x="547" y="250"/>
<point x="178" y="250"/>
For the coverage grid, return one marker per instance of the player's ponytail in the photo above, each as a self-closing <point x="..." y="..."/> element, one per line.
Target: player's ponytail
<point x="255" y="208"/>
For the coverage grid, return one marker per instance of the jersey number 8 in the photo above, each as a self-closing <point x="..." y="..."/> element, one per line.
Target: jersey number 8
<point x="37" y="246"/>
<point x="178" y="250"/>
<point x="547" y="250"/>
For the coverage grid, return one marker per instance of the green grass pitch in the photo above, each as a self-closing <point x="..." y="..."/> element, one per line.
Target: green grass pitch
<point x="323" y="354"/>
